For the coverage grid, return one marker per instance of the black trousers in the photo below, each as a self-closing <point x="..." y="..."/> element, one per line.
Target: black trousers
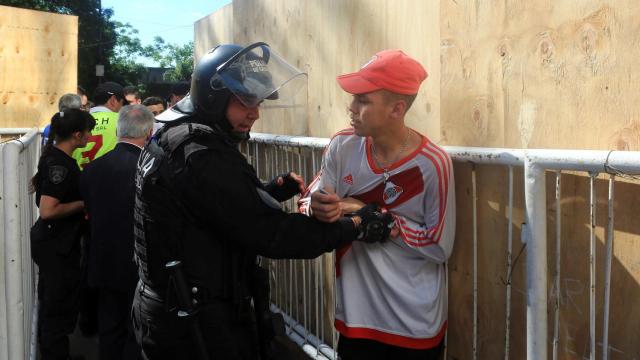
<point x="58" y="287"/>
<point x="228" y="334"/>
<point x="115" y="331"/>
<point x="350" y="348"/>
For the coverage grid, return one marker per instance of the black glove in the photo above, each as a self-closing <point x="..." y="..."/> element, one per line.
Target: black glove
<point x="375" y="225"/>
<point x="286" y="191"/>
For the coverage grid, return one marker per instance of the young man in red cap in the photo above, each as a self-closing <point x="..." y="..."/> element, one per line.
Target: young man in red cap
<point x="391" y="300"/>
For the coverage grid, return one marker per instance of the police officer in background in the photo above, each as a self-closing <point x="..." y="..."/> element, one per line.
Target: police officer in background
<point x="199" y="204"/>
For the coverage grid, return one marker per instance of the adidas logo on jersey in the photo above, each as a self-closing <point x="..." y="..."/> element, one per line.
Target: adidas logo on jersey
<point x="348" y="179"/>
<point x="391" y="192"/>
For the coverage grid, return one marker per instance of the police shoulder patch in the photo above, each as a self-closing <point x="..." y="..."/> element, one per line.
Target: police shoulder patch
<point x="57" y="174"/>
<point x="268" y="199"/>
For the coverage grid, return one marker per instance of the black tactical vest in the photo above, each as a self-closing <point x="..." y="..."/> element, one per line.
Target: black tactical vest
<point x="166" y="229"/>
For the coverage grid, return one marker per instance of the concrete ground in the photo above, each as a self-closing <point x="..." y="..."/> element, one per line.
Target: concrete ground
<point x="87" y="348"/>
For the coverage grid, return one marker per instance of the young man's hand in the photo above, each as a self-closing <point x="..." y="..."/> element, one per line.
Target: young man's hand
<point x="325" y="206"/>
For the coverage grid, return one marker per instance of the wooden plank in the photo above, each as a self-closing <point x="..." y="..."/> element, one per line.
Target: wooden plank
<point x="212" y="30"/>
<point x="38" y="63"/>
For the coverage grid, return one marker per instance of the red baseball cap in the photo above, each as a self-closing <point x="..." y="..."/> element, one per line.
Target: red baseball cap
<point x="391" y="70"/>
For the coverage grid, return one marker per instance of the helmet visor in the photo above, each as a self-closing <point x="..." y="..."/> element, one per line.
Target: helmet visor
<point x="257" y="73"/>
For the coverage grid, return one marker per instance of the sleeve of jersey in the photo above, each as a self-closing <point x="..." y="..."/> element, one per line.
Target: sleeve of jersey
<point x="433" y="237"/>
<point x="233" y="206"/>
<point x="326" y="177"/>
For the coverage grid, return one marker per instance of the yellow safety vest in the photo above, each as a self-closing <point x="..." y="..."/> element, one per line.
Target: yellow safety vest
<point x="103" y="138"/>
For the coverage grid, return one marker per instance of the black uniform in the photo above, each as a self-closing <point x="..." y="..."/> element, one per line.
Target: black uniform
<point x="199" y="201"/>
<point x="55" y="247"/>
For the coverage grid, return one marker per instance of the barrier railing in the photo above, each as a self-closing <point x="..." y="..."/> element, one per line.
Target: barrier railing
<point x="303" y="289"/>
<point x="17" y="214"/>
<point x="299" y="286"/>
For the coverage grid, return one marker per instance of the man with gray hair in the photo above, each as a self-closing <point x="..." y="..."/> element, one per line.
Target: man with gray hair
<point x="108" y="189"/>
<point x="67" y="101"/>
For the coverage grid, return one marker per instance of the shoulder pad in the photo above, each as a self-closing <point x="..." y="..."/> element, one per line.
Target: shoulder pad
<point x="173" y="137"/>
<point x="148" y="162"/>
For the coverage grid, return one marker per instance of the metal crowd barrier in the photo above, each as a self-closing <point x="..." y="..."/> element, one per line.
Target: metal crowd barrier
<point x="303" y="289"/>
<point x="18" y="302"/>
<point x="299" y="286"/>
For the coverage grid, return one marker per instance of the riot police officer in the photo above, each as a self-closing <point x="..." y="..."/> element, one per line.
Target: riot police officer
<point x="200" y="203"/>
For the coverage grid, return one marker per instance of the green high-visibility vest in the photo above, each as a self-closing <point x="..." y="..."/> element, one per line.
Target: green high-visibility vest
<point x="103" y="138"/>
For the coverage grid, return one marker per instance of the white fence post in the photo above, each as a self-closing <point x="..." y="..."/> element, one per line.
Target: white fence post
<point x="536" y="265"/>
<point x="12" y="254"/>
<point x="19" y="158"/>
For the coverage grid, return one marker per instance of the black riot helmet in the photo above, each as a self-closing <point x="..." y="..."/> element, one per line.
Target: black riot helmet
<point x="253" y="74"/>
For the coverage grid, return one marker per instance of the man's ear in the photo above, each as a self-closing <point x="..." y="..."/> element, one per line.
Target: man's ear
<point x="77" y="135"/>
<point x="399" y="108"/>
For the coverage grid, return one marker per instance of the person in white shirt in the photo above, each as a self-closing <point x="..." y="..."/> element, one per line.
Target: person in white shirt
<point x="391" y="297"/>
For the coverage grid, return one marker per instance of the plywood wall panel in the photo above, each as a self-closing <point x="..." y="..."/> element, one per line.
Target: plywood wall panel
<point x="38" y="64"/>
<point x="513" y="73"/>
<point x="212" y="30"/>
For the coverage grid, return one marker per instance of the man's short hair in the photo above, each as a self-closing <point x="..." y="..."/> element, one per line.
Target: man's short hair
<point x="391" y="97"/>
<point x="154" y="100"/>
<point x="134" y="121"/>
<point x="131" y="90"/>
<point x="69" y="101"/>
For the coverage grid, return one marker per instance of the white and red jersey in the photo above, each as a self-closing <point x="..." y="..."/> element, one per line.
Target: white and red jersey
<point x="393" y="292"/>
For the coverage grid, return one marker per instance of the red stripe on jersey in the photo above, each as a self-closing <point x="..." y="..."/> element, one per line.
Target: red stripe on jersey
<point x="408" y="241"/>
<point x="446" y="164"/>
<point x="391" y="339"/>
<point x="306" y="194"/>
<point x="440" y="187"/>
<point x="409" y="180"/>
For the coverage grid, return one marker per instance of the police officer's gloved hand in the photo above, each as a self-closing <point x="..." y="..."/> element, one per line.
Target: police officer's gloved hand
<point x="288" y="188"/>
<point x="375" y="225"/>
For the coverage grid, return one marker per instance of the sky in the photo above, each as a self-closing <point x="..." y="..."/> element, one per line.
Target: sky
<point x="170" y="19"/>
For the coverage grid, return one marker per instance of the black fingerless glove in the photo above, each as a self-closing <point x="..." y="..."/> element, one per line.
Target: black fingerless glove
<point x="286" y="191"/>
<point x="375" y="225"/>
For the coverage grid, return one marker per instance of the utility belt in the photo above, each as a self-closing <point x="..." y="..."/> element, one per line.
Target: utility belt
<point x="201" y="299"/>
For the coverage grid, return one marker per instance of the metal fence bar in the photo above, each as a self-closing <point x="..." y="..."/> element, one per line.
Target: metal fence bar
<point x="509" y="267"/>
<point x="474" y="199"/>
<point x="536" y="262"/>
<point x="556" y="310"/>
<point x="592" y="266"/>
<point x="607" y="270"/>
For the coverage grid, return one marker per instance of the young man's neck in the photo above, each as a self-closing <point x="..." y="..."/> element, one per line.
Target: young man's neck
<point x="388" y="142"/>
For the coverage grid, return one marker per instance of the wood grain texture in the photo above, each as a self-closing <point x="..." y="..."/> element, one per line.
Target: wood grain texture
<point x="38" y="63"/>
<point x="511" y="73"/>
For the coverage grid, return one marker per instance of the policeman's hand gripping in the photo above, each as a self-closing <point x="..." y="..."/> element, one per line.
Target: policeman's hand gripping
<point x="375" y="225"/>
<point x="284" y="189"/>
